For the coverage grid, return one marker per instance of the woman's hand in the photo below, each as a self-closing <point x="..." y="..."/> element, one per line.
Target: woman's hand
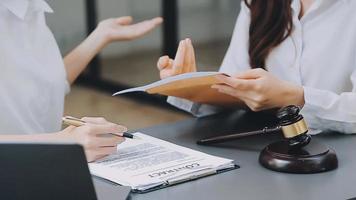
<point x="260" y="90"/>
<point x="94" y="137"/>
<point x="107" y="31"/>
<point x="120" y="29"/>
<point x="184" y="61"/>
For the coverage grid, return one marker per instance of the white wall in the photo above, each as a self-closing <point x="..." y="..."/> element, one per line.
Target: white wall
<point x="202" y="20"/>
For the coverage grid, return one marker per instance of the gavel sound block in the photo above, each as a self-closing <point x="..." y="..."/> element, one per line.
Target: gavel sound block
<point x="297" y="153"/>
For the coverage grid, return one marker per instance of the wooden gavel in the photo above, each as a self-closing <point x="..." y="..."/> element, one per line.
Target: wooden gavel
<point x="291" y="123"/>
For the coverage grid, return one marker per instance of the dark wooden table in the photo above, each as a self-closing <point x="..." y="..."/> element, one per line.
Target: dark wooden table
<point x="252" y="181"/>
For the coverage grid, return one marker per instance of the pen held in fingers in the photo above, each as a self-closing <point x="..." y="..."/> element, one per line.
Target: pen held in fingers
<point x="72" y="121"/>
<point x="125" y="135"/>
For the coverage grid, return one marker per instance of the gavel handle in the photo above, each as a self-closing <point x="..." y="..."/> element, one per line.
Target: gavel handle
<point x="237" y="136"/>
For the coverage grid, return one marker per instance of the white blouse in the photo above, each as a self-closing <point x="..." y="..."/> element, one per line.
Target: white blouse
<point x="320" y="55"/>
<point x="32" y="75"/>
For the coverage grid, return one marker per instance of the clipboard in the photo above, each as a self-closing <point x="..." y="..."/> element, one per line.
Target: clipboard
<point x="183" y="181"/>
<point x="150" y="164"/>
<point x="172" y="184"/>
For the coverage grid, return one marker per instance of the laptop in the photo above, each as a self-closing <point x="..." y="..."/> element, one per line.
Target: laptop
<point x="51" y="171"/>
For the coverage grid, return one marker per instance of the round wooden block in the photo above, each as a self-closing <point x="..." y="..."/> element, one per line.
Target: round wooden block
<point x="313" y="158"/>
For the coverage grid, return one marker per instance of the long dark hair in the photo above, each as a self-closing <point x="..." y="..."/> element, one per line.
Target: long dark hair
<point x="271" y="24"/>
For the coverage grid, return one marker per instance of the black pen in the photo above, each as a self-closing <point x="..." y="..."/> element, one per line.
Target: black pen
<point x="72" y="121"/>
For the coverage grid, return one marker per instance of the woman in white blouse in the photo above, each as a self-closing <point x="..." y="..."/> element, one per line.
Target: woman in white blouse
<point x="283" y="52"/>
<point x="34" y="78"/>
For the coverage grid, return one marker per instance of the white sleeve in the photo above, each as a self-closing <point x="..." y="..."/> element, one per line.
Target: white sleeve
<point x="236" y="59"/>
<point x="328" y="111"/>
<point x="196" y="109"/>
<point x="67" y="87"/>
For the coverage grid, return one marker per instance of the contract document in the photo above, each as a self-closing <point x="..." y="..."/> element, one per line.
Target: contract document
<point x="148" y="163"/>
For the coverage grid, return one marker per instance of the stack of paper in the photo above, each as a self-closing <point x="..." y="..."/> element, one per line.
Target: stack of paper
<point x="149" y="162"/>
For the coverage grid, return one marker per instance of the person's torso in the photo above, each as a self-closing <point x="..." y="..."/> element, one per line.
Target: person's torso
<point x="32" y="74"/>
<point x="321" y="52"/>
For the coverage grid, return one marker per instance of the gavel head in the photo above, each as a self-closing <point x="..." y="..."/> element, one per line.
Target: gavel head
<point x="293" y="126"/>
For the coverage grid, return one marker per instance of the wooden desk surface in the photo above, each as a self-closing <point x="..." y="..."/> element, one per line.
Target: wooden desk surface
<point x="253" y="181"/>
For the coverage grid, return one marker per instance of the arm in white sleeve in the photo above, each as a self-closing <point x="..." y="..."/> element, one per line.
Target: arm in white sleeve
<point x="196" y="109"/>
<point x="328" y="111"/>
<point x="236" y="59"/>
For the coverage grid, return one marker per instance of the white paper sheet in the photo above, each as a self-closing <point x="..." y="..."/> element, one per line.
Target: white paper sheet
<point x="149" y="162"/>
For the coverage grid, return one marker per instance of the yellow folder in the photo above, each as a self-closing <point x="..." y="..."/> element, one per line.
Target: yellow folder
<point x="195" y="86"/>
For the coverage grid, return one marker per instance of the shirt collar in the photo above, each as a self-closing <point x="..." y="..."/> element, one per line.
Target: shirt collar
<point x="297" y="6"/>
<point x="42" y="5"/>
<point x="20" y="7"/>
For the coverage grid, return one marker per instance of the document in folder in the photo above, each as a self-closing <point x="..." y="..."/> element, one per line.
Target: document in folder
<point x="195" y="86"/>
<point x="148" y="163"/>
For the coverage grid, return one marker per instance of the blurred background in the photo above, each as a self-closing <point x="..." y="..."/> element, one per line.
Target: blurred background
<point x="209" y="23"/>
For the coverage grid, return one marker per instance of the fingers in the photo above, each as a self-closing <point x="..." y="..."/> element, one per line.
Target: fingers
<point x="171" y="61"/>
<point x="251" y="74"/>
<point x="100" y="129"/>
<point x="184" y="61"/>
<point x="228" y="90"/>
<point x="164" y="65"/>
<point x="225" y="89"/>
<point x="95" y="120"/>
<point x="236" y="83"/>
<point x="185" y="58"/>
<point x="190" y="56"/>
<point x="163" y="62"/>
<point x="144" y="27"/>
<point x="110" y="141"/>
<point x="106" y="151"/>
<point x="126" y="20"/>
<point x="102" y="121"/>
<point x="105" y="147"/>
<point x="95" y="154"/>
<point x="178" y="63"/>
<point x="157" y="20"/>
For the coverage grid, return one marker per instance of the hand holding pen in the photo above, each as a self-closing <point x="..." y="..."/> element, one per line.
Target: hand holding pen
<point x="72" y="121"/>
<point x="98" y="136"/>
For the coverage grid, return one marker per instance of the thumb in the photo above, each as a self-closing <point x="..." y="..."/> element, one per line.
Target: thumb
<point x="163" y="62"/>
